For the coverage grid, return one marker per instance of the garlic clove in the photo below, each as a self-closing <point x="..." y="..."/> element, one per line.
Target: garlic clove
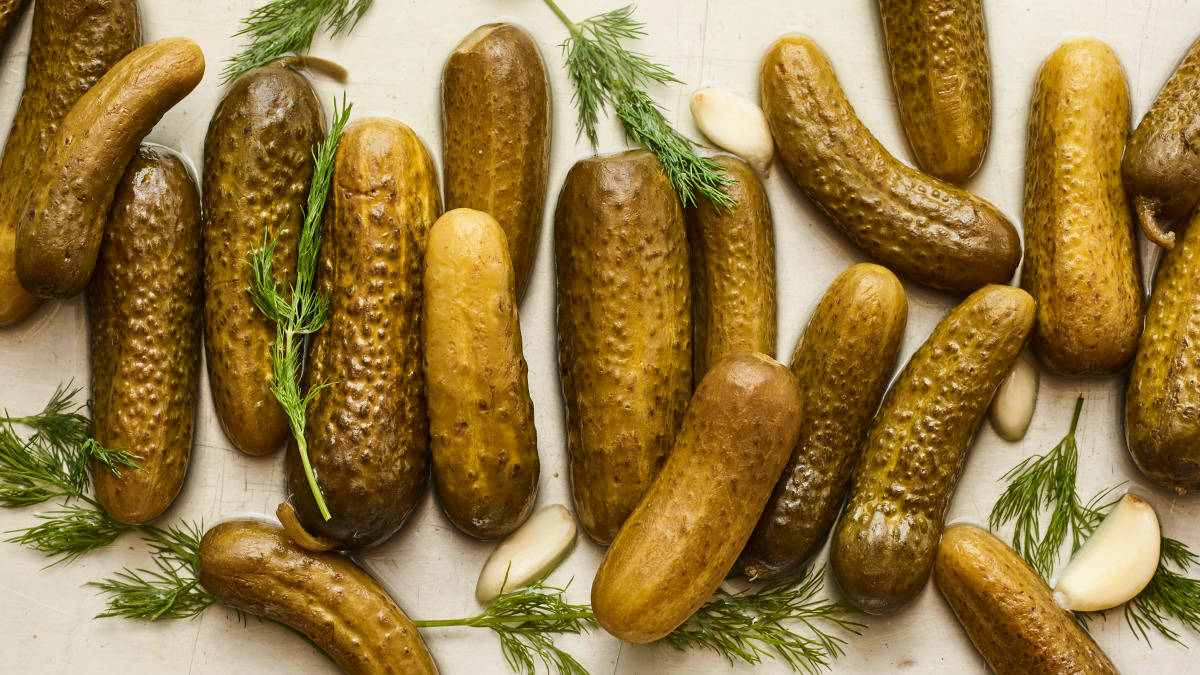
<point x="1012" y="407"/>
<point x="1116" y="562"/>
<point x="732" y="122"/>
<point x="528" y="554"/>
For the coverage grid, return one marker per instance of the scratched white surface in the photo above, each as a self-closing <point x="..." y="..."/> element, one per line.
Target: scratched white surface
<point x="395" y="59"/>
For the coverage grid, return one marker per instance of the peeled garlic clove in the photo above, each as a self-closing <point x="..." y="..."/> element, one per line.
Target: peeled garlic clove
<point x="1012" y="407"/>
<point x="528" y="554"/>
<point x="1116" y="562"/>
<point x="735" y="124"/>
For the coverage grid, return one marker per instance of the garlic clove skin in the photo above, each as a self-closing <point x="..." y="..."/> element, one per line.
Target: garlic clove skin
<point x="732" y="122"/>
<point x="1116" y="562"/>
<point x="528" y="554"/>
<point x="1012" y="407"/>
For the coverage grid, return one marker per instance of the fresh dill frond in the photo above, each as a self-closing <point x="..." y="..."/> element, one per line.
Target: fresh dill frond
<point x="169" y="590"/>
<point x="30" y="472"/>
<point x="111" y="460"/>
<point x="303" y="310"/>
<point x="284" y="26"/>
<point x="754" y="625"/>
<point x="602" y="68"/>
<point x="56" y="460"/>
<point x="70" y="531"/>
<point x="525" y="620"/>
<point x="690" y="173"/>
<point x="1169" y="595"/>
<point x="606" y="74"/>
<point x="1047" y="482"/>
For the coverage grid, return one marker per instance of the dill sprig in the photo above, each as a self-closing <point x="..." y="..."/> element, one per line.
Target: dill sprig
<point x="283" y="26"/>
<point x="304" y="309"/>
<point x="62" y="422"/>
<point x="1047" y="482"/>
<point x="607" y="74"/>
<point x="1169" y="595"/>
<point x="57" y="461"/>
<point x="525" y="621"/>
<point x="753" y="625"/>
<point x="70" y="531"/>
<point x="170" y="589"/>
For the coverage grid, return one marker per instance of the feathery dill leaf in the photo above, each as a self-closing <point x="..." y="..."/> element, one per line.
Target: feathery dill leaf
<point x="1047" y="482"/>
<point x="62" y="423"/>
<point x="525" y="620"/>
<point x="56" y="460"/>
<point x="753" y="625"/>
<point x="70" y="531"/>
<point x="608" y="75"/>
<point x="283" y="26"/>
<point x="1170" y="594"/>
<point x="303" y="310"/>
<point x="170" y="589"/>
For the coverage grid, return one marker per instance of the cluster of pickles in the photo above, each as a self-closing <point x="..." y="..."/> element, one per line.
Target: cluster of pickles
<point x="693" y="451"/>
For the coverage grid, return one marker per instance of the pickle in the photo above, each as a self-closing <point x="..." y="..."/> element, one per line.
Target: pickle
<point x="485" y="458"/>
<point x="144" y="307"/>
<point x="917" y="226"/>
<point x="73" y="45"/>
<point x="1081" y="263"/>
<point x="884" y="543"/>
<point x="624" y="330"/>
<point x="258" y="166"/>
<point x="367" y="433"/>
<point x="843" y="363"/>
<point x="733" y="271"/>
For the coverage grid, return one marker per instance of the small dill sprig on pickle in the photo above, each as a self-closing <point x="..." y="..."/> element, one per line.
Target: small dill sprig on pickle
<point x="1047" y="483"/>
<point x="301" y="310"/>
<point x="608" y="75"/>
<point x="284" y="26"/>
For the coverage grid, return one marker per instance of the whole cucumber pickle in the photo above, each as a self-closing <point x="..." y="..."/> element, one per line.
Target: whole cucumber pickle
<point x="884" y="543"/>
<point x="258" y="166"/>
<point x="733" y="271"/>
<point x="1163" y="394"/>
<point x="367" y="433"/>
<point x="496" y="120"/>
<point x="484" y="445"/>
<point x="918" y="226"/>
<point x="938" y="51"/>
<point x="1081" y="263"/>
<point x="843" y="363"/>
<point x="1161" y="167"/>
<point x="144" y="306"/>
<point x="624" y="330"/>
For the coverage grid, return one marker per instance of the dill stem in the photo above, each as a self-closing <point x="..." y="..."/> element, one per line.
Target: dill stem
<point x="562" y="16"/>
<point x="486" y="621"/>
<point x="1075" y="416"/>
<point x="310" y="475"/>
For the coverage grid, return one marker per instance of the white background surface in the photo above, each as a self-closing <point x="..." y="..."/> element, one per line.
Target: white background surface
<point x="395" y="60"/>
